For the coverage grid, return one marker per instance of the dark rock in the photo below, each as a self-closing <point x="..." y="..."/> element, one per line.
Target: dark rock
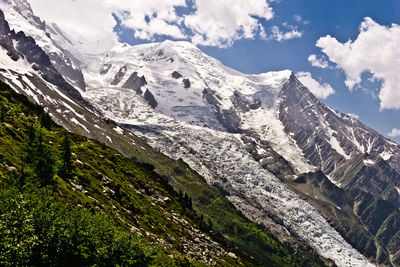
<point x="176" y="75"/>
<point x="301" y="180"/>
<point x="135" y="82"/>
<point x="228" y="118"/>
<point x="256" y="104"/>
<point x="240" y="103"/>
<point x="186" y="83"/>
<point x="120" y="74"/>
<point x="148" y="96"/>
<point x="105" y="69"/>
<point x="160" y="53"/>
<point x="65" y="66"/>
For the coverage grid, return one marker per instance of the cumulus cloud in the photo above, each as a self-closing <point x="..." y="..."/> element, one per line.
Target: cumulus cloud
<point x="212" y="23"/>
<point x="318" y="62"/>
<point x="376" y="50"/>
<point x="394" y="133"/>
<point x="221" y="22"/>
<point x="319" y="90"/>
<point x="279" y="35"/>
<point x="148" y="18"/>
<point x="86" y="20"/>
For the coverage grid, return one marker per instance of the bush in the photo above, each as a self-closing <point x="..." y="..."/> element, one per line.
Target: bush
<point x="38" y="229"/>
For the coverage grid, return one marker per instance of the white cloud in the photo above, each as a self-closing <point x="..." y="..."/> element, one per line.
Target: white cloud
<point x="375" y="50"/>
<point x="318" y="62"/>
<point x="221" y="22"/>
<point x="86" y="20"/>
<point x="318" y="89"/>
<point x="394" y="133"/>
<point x="278" y="35"/>
<point x="300" y="19"/>
<point x="148" y="18"/>
<point x="213" y="23"/>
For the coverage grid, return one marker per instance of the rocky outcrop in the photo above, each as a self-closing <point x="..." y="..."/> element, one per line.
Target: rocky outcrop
<point x="65" y="66"/>
<point x="176" y="75"/>
<point x="135" y="82"/>
<point x="227" y="117"/>
<point x="120" y="74"/>
<point x="148" y="96"/>
<point x="266" y="156"/>
<point x="186" y="83"/>
<point x="328" y="137"/>
<point x="244" y="105"/>
<point x="26" y="47"/>
<point x="104" y="70"/>
<point x="371" y="174"/>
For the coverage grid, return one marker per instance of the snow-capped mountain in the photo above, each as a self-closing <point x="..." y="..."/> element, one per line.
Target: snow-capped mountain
<point x="239" y="131"/>
<point x="181" y="82"/>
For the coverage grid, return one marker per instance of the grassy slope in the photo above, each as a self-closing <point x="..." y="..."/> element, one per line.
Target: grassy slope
<point x="134" y="195"/>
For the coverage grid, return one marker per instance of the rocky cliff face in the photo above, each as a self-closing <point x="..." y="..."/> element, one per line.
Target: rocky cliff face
<point x="20" y="46"/>
<point x="328" y="137"/>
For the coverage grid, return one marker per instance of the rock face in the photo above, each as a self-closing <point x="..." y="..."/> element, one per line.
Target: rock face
<point x="148" y="96"/>
<point x="186" y="83"/>
<point x="369" y="223"/>
<point x="328" y="137"/>
<point x="227" y="117"/>
<point x="26" y="48"/>
<point x="370" y="174"/>
<point x="176" y="75"/>
<point x="135" y="82"/>
<point x="105" y="69"/>
<point x="119" y="75"/>
<point x="66" y="69"/>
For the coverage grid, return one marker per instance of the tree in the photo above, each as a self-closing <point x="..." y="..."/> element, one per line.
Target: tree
<point x="66" y="170"/>
<point x="43" y="163"/>
<point x="187" y="202"/>
<point x="45" y="120"/>
<point x="30" y="146"/>
<point x="2" y="113"/>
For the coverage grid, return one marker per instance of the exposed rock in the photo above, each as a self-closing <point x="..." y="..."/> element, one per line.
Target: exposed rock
<point x="120" y="74"/>
<point x="148" y="96"/>
<point x="328" y="137"/>
<point x="65" y="67"/>
<point x="135" y="82"/>
<point x="228" y="118"/>
<point x="105" y="69"/>
<point x="26" y="47"/>
<point x="176" y="75"/>
<point x="186" y="83"/>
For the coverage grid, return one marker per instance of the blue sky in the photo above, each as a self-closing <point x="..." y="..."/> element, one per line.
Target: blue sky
<point x="231" y="31"/>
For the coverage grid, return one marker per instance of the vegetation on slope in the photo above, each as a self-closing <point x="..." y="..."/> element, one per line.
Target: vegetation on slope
<point x="63" y="194"/>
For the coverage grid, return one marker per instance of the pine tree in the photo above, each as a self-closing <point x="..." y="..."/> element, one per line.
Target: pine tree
<point x="45" y="120"/>
<point x="66" y="170"/>
<point x="43" y="163"/>
<point x="30" y="146"/>
<point x="2" y="113"/>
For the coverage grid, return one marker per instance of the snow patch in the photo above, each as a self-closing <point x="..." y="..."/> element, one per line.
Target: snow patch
<point x="368" y="162"/>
